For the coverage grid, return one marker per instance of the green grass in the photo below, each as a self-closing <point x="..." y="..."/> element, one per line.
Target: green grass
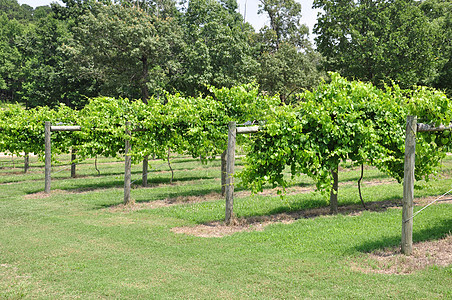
<point x="72" y="245"/>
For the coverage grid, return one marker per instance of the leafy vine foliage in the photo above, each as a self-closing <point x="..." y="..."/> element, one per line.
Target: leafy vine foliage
<point x="186" y="125"/>
<point x="346" y="121"/>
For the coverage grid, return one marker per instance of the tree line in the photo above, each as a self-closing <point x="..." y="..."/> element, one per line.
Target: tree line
<point x="149" y="48"/>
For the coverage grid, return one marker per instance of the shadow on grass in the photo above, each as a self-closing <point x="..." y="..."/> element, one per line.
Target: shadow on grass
<point x="82" y="187"/>
<point x="170" y="199"/>
<point x="434" y="233"/>
<point x="320" y="207"/>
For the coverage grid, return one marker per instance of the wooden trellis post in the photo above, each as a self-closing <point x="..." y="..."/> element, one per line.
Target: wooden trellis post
<point x="48" y="152"/>
<point x="230" y="163"/>
<point x="408" y="186"/>
<point x="128" y="167"/>
<point x="48" y="157"/>
<point x="412" y="127"/>
<point x="233" y="130"/>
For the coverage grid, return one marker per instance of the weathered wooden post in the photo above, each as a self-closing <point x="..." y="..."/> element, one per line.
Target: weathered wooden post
<point x="128" y="166"/>
<point x="408" y="185"/>
<point x="48" y="156"/>
<point x="233" y="130"/>
<point x="230" y="163"/>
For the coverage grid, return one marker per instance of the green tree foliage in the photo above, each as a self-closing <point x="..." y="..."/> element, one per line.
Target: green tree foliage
<point x="46" y="80"/>
<point x="218" y="50"/>
<point x="128" y="50"/>
<point x="378" y="41"/>
<point x="285" y="24"/>
<point x="11" y="32"/>
<point x="140" y="49"/>
<point x="74" y="9"/>
<point x="440" y="14"/>
<point x="16" y="11"/>
<point x="288" y="64"/>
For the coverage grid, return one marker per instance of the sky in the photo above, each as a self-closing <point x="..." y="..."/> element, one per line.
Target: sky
<point x="248" y="8"/>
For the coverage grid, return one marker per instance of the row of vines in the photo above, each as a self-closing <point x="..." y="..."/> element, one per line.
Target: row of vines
<point x="339" y="121"/>
<point x="347" y="121"/>
<point x="194" y="126"/>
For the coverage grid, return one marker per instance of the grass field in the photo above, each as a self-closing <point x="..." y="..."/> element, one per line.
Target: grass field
<point x="80" y="243"/>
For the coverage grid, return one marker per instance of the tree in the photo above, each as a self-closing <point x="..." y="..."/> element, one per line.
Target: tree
<point x="16" y="11"/>
<point x="45" y="77"/>
<point x="289" y="71"/>
<point x="11" y="32"/>
<point x="440" y="14"/>
<point x="285" y="24"/>
<point x="130" y="51"/>
<point x="377" y="40"/>
<point x="288" y="64"/>
<point x="218" y="51"/>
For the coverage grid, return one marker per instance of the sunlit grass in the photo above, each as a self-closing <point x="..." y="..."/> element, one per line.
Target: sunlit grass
<point x="74" y="244"/>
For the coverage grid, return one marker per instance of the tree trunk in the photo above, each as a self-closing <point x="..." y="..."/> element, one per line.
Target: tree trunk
<point x="333" y="193"/>
<point x="26" y="162"/>
<point x="169" y="165"/>
<point x="359" y="186"/>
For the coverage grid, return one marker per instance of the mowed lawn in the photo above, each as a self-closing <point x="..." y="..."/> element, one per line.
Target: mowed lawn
<point x="80" y="243"/>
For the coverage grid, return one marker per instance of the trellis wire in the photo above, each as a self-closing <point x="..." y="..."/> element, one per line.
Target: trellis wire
<point x="61" y="170"/>
<point x="436" y="200"/>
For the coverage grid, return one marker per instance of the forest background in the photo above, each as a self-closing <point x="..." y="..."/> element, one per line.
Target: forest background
<point x="141" y="49"/>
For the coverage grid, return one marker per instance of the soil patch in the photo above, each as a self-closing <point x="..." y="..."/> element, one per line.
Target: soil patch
<point x="41" y="195"/>
<point x="391" y="261"/>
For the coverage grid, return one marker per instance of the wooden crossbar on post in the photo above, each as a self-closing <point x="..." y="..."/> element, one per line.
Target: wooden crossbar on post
<point x="427" y="128"/>
<point x="65" y="128"/>
<point x="233" y="130"/>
